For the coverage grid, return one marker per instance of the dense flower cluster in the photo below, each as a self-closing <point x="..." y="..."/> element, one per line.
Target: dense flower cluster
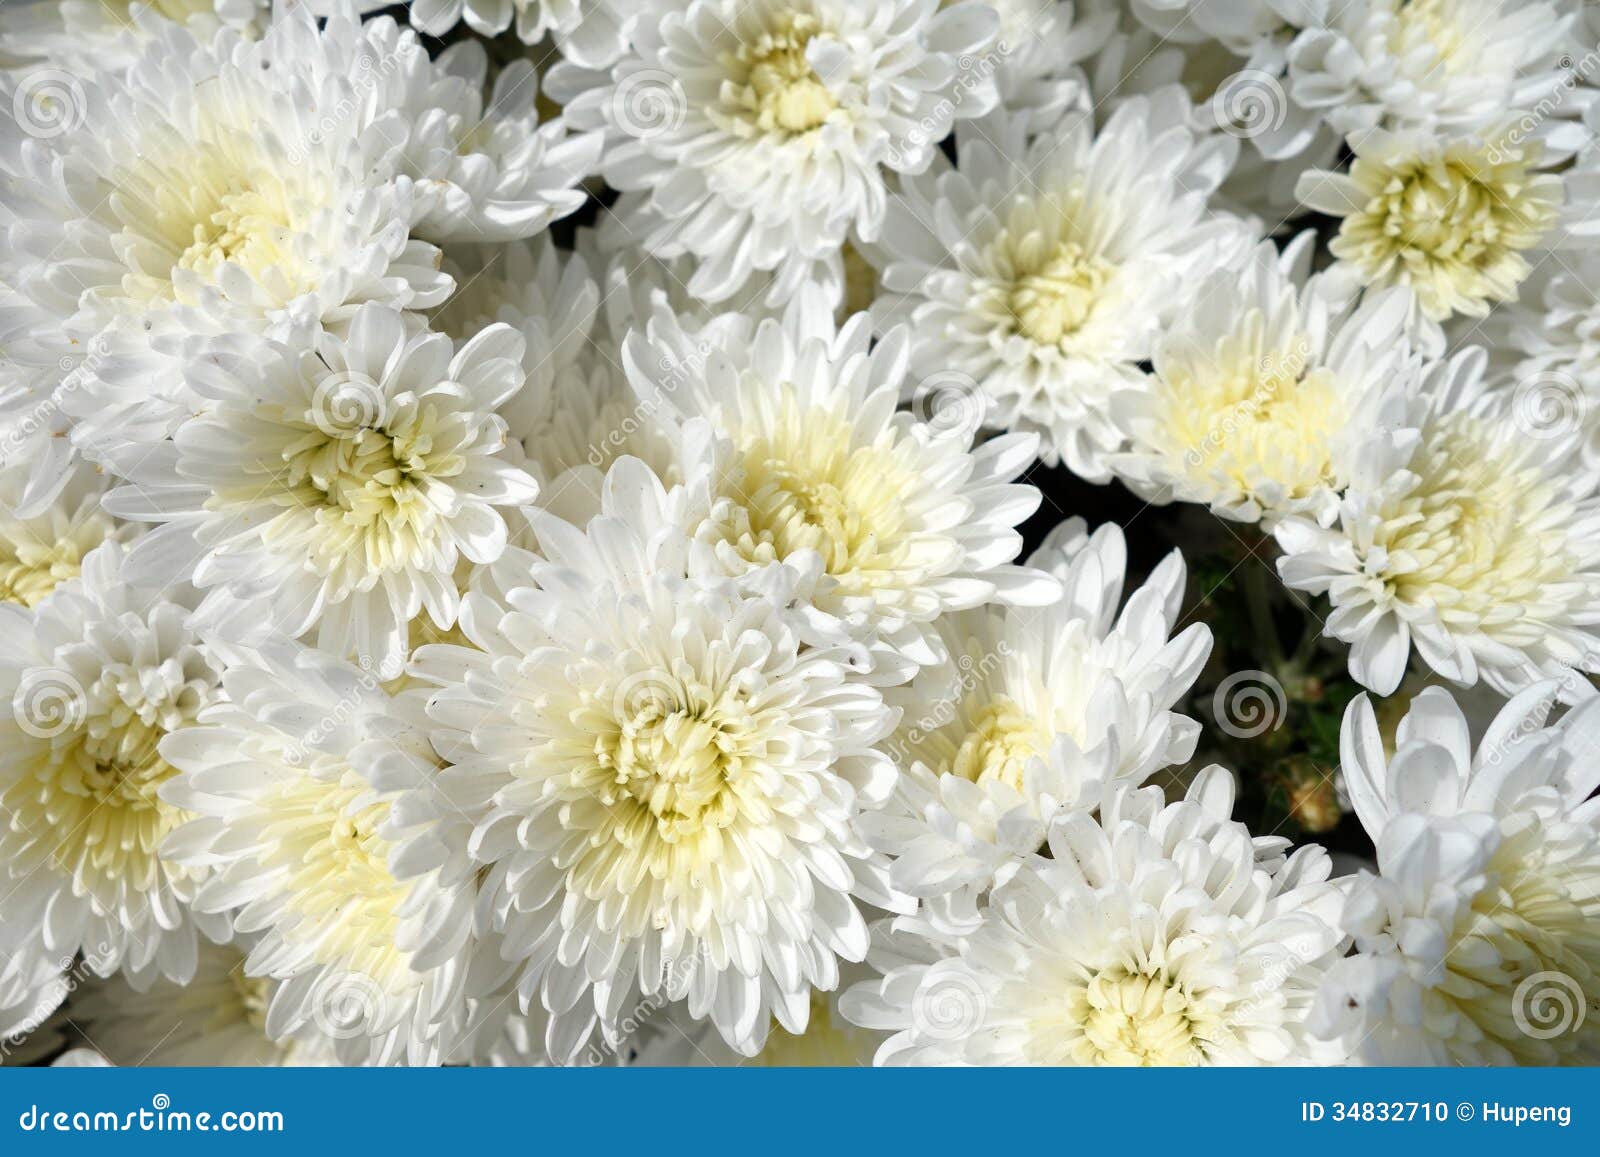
<point x="925" y="532"/>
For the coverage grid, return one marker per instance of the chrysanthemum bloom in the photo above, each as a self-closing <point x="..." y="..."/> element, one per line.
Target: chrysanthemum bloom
<point x="665" y="776"/>
<point x="1035" y="711"/>
<point x="1038" y="58"/>
<point x="219" y="1018"/>
<point x="1478" y="942"/>
<point x="1450" y="218"/>
<point x="910" y="520"/>
<point x="1153" y="935"/>
<point x="39" y="553"/>
<point x="757" y="135"/>
<point x="1435" y="65"/>
<point x="1043" y="270"/>
<point x="95" y="677"/>
<point x="1465" y="536"/>
<point x="311" y="790"/>
<point x="336" y="482"/>
<point x="1262" y="391"/>
<point x="233" y="187"/>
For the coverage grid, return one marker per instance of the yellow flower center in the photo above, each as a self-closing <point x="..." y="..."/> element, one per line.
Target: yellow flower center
<point x="1438" y="25"/>
<point x="1243" y="418"/>
<point x="999" y="745"/>
<point x="1051" y="299"/>
<point x="802" y="485"/>
<point x="1129" y="1018"/>
<point x="94" y="790"/>
<point x="678" y="756"/>
<point x="774" y="82"/>
<point x="1471" y="538"/>
<point x="31" y="570"/>
<point x="1453" y="228"/>
<point x="245" y="229"/>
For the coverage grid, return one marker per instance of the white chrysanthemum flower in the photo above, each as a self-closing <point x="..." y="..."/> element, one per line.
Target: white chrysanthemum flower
<point x="338" y="482"/>
<point x="219" y="1018"/>
<point x="1036" y="711"/>
<point x="757" y="135"/>
<point x="1263" y="390"/>
<point x="1434" y="65"/>
<point x="311" y="790"/>
<point x="591" y="33"/>
<point x="483" y="167"/>
<point x="1450" y="218"/>
<point x="1043" y="271"/>
<point x="84" y="36"/>
<point x="1479" y="940"/>
<point x="95" y="677"/>
<point x="1152" y="936"/>
<point x="1465" y="536"/>
<point x="664" y="777"/>
<point x="910" y="520"/>
<point x="33" y="985"/>
<point x="39" y="553"/>
<point x="236" y="187"/>
<point x="212" y="187"/>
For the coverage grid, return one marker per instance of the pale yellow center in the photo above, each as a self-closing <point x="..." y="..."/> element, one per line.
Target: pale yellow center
<point x="1051" y="300"/>
<point x="1454" y="228"/>
<point x="999" y="745"/>
<point x="31" y="570"/>
<point x="772" y="79"/>
<point x="804" y="485"/>
<point x="1472" y="535"/>
<point x="1130" y="1018"/>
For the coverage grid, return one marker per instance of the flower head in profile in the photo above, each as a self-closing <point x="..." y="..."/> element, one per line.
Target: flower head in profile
<point x="333" y="486"/>
<point x="664" y="767"/>
<point x="1043" y="268"/>
<point x="308" y="791"/>
<point x="1466" y="536"/>
<point x="1152" y="935"/>
<point x="1478" y="940"/>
